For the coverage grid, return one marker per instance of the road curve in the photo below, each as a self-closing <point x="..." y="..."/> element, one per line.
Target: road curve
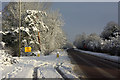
<point x="95" y="67"/>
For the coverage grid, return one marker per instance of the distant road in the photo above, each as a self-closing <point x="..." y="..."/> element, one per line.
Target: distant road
<point x="94" y="67"/>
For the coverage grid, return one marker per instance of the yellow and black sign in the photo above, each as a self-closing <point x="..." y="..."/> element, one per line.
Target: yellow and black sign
<point x="27" y="49"/>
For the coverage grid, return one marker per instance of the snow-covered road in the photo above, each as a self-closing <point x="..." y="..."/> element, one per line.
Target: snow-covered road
<point x="40" y="67"/>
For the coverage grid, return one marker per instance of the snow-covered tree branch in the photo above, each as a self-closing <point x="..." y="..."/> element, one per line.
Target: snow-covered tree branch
<point x="42" y="20"/>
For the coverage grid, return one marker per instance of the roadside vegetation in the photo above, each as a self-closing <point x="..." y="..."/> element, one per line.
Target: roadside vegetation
<point x="107" y="42"/>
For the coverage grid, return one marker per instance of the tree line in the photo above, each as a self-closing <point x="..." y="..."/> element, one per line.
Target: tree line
<point x="107" y="42"/>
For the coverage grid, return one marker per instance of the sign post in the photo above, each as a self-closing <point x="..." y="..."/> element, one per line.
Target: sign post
<point x="39" y="44"/>
<point x="19" y="27"/>
<point x="57" y="55"/>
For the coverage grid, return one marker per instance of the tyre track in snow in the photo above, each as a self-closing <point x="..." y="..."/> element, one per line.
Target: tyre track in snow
<point x="61" y="73"/>
<point x="35" y="73"/>
<point x="40" y="74"/>
<point x="66" y="74"/>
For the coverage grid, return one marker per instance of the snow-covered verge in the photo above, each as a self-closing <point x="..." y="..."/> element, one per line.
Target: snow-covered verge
<point x="45" y="66"/>
<point x="6" y="60"/>
<point x="102" y="55"/>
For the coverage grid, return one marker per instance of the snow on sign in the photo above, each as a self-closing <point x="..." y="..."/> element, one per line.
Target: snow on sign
<point x="27" y="49"/>
<point x="57" y="55"/>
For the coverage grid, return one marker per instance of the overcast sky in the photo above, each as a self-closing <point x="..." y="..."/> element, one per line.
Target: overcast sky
<point x="89" y="17"/>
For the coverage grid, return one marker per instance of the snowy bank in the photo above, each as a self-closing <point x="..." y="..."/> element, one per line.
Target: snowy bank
<point x="41" y="67"/>
<point x="6" y="60"/>
<point x="102" y="55"/>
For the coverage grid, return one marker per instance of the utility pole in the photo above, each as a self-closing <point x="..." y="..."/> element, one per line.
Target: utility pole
<point x="19" y="27"/>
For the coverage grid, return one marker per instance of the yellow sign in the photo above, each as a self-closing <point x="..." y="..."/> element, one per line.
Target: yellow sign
<point x="27" y="49"/>
<point x="38" y="55"/>
<point x="57" y="55"/>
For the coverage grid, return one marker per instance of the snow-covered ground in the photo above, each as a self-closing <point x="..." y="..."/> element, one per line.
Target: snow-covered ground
<point x="102" y="55"/>
<point x="43" y="67"/>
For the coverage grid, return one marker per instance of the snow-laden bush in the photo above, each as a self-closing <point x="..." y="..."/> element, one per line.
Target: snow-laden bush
<point x="108" y="42"/>
<point x="93" y="42"/>
<point x="80" y="40"/>
<point x="5" y="58"/>
<point x="2" y="45"/>
<point x="111" y="37"/>
<point x="69" y="45"/>
<point x="112" y="46"/>
<point x="112" y="29"/>
<point x="88" y="42"/>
